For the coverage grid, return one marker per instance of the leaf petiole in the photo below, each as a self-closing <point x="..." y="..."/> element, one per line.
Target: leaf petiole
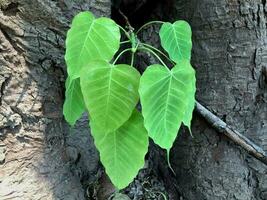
<point x="124" y="42"/>
<point x="125" y="32"/>
<point x="132" y="60"/>
<point x="147" y="24"/>
<point x="125" y="50"/>
<point x="160" y="52"/>
<point x="152" y="52"/>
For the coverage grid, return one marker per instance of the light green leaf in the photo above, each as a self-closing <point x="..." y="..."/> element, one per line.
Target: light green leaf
<point x="164" y="97"/>
<point x="122" y="151"/>
<point x="190" y="106"/>
<point x="90" y="39"/>
<point x="176" y="40"/>
<point x="74" y="105"/>
<point x="110" y="93"/>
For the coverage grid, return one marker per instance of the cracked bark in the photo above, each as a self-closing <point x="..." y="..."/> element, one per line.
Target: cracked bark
<point x="229" y="54"/>
<point x="38" y="158"/>
<point x="241" y="140"/>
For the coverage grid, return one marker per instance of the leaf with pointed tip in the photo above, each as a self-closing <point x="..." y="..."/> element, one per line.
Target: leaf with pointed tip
<point x="122" y="151"/>
<point x="74" y="105"/>
<point x="164" y="98"/>
<point x="176" y="40"/>
<point x="110" y="93"/>
<point x="90" y="39"/>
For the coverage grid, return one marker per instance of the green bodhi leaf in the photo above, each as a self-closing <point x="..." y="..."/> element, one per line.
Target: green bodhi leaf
<point x="164" y="97"/>
<point x="74" y="105"/>
<point x="110" y="93"/>
<point x="90" y="39"/>
<point x="176" y="40"/>
<point x="122" y="152"/>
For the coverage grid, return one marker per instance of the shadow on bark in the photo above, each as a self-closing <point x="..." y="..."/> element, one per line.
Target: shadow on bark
<point x="39" y="159"/>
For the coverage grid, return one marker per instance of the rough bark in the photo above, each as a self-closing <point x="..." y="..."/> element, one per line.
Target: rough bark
<point x="229" y="55"/>
<point x="242" y="141"/>
<point x="38" y="159"/>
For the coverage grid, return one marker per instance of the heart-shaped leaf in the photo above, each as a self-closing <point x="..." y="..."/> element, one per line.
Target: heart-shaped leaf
<point x="122" y="152"/>
<point x="164" y="97"/>
<point x="110" y="93"/>
<point x="74" y="105"/>
<point x="176" y="40"/>
<point x="90" y="39"/>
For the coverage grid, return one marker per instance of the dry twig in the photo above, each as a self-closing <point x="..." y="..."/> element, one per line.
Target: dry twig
<point x="234" y="135"/>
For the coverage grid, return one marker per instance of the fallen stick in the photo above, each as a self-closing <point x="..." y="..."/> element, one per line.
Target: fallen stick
<point x="234" y="135"/>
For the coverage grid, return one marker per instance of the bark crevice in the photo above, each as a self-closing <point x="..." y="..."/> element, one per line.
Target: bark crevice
<point x="35" y="161"/>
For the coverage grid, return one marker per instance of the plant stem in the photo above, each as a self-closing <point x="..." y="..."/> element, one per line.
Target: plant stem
<point x="147" y="24"/>
<point x="127" y="41"/>
<point x="126" y="20"/>
<point x="160" y="52"/>
<point x="125" y="32"/>
<point x="151" y="51"/>
<point x="132" y="60"/>
<point x="125" y="50"/>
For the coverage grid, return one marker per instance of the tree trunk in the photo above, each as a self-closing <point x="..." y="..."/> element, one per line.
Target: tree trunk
<point x="229" y="54"/>
<point x="38" y="160"/>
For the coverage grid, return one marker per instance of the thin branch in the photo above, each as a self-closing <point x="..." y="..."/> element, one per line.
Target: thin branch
<point x="126" y="20"/>
<point x="234" y="135"/>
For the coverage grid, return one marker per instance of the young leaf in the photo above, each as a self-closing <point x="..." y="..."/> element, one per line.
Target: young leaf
<point x="74" y="105"/>
<point x="176" y="40"/>
<point x="122" y="151"/>
<point x="164" y="98"/>
<point x="191" y="105"/>
<point x="90" y="39"/>
<point x="110" y="93"/>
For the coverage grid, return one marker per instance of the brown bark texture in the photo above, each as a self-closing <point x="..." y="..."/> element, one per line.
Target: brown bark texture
<point x="230" y="57"/>
<point x="38" y="158"/>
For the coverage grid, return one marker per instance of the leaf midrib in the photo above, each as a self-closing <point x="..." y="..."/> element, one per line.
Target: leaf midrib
<point x="86" y="38"/>
<point x="167" y="100"/>
<point x="179" y="50"/>
<point x="108" y="97"/>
